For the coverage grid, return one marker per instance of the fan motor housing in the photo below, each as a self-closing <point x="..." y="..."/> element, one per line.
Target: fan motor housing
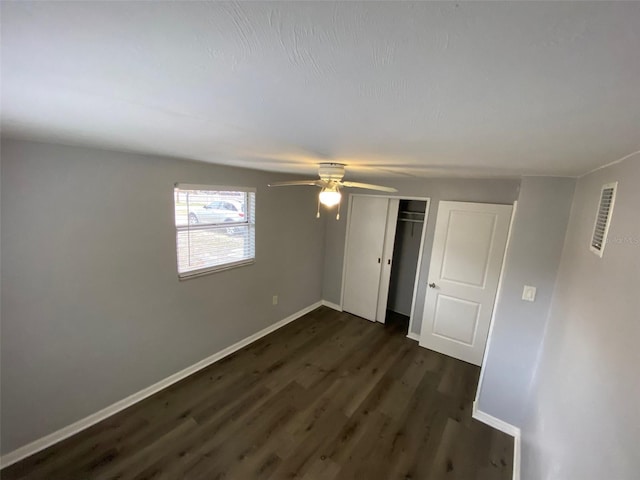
<point x="331" y="172"/>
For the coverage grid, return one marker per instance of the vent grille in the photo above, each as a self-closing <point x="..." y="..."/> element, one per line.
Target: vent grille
<point x="603" y="218"/>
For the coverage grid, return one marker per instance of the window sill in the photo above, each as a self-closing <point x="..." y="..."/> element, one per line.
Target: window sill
<point x="208" y="271"/>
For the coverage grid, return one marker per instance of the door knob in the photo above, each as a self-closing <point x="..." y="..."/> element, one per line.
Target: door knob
<point x="432" y="285"/>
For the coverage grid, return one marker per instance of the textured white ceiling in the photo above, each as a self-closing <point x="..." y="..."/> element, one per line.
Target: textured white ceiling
<point x="388" y="88"/>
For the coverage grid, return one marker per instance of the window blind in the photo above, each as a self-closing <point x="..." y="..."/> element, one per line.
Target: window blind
<point x="215" y="228"/>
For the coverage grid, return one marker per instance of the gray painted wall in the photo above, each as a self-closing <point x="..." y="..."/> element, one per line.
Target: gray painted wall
<point x="533" y="257"/>
<point x="503" y="191"/>
<point x="583" y="417"/>
<point x="92" y="309"/>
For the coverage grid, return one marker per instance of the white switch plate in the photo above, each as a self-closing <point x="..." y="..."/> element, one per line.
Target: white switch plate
<point x="529" y="293"/>
<point x="275" y="299"/>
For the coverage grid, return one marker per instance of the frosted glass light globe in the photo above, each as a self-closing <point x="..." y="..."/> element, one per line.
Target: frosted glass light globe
<point x="330" y="198"/>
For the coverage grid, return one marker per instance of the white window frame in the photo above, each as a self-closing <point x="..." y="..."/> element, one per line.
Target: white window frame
<point x="249" y="224"/>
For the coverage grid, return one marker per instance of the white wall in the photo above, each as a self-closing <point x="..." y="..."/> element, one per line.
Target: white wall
<point x="503" y="191"/>
<point x="92" y="309"/>
<point x="533" y="256"/>
<point x="582" y="420"/>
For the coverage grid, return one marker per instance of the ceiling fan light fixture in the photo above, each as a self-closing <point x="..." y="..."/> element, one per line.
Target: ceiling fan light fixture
<point x="330" y="198"/>
<point x="331" y="181"/>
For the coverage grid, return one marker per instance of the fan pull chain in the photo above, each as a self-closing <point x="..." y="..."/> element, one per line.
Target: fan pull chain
<point x="318" y="213"/>
<point x="338" y="215"/>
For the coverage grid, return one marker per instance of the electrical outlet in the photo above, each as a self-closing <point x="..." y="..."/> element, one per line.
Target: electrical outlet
<point x="275" y="299"/>
<point x="529" y="293"/>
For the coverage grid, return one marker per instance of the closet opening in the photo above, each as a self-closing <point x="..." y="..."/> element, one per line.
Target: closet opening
<point x="383" y="250"/>
<point x="404" y="265"/>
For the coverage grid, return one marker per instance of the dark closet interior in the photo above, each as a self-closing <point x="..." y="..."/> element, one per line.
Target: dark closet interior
<point x="411" y="215"/>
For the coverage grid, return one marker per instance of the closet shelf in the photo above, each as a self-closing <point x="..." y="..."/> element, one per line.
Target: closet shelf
<point x="409" y="216"/>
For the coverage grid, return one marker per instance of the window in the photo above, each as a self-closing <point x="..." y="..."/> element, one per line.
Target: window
<point x="215" y="228"/>
<point x="603" y="218"/>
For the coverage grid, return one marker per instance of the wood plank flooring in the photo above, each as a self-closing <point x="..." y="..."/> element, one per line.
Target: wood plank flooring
<point x="329" y="396"/>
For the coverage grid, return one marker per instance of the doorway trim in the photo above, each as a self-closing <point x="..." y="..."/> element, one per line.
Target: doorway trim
<point x="416" y="282"/>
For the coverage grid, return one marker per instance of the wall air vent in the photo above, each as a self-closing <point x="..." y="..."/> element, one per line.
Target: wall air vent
<point x="603" y="218"/>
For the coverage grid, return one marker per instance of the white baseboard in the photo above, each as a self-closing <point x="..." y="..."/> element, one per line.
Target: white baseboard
<point x="59" y="435"/>
<point x="413" y="336"/>
<point x="503" y="427"/>
<point x="335" y="306"/>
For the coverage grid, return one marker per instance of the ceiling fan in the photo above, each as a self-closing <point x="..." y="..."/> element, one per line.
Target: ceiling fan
<point x="330" y="182"/>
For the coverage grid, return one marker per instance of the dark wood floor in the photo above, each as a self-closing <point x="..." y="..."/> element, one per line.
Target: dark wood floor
<point x="329" y="396"/>
<point x="397" y="321"/>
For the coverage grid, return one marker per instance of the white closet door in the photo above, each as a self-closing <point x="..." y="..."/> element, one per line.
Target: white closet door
<point x="387" y="257"/>
<point x="367" y="226"/>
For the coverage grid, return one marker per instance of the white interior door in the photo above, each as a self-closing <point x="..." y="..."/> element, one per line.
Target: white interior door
<point x="466" y="259"/>
<point x="365" y="244"/>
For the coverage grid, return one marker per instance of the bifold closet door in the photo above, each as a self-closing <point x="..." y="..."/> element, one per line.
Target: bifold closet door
<point x="387" y="258"/>
<point x="365" y="248"/>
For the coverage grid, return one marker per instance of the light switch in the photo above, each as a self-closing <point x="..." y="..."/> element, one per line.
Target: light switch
<point x="529" y="293"/>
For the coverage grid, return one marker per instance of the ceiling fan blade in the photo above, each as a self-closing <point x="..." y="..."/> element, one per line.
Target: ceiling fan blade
<point x="317" y="183"/>
<point x="368" y="186"/>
